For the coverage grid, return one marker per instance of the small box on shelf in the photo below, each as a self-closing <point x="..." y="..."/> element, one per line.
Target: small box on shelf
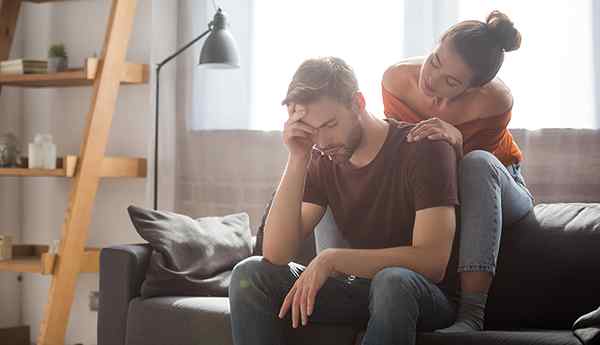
<point x="5" y="247"/>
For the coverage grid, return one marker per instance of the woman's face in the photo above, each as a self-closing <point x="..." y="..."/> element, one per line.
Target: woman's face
<point x="444" y="74"/>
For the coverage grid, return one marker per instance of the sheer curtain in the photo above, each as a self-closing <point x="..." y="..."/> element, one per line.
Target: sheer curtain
<point x="367" y="35"/>
<point x="274" y="37"/>
<point x="552" y="75"/>
<point x="214" y="98"/>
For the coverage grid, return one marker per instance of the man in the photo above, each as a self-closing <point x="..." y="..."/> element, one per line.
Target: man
<point x="393" y="201"/>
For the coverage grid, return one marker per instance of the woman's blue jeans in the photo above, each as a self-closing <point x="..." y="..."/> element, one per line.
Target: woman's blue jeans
<point x="393" y="305"/>
<point x="491" y="195"/>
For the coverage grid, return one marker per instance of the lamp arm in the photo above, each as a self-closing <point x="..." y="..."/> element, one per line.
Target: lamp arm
<point x="158" y="67"/>
<point x="182" y="49"/>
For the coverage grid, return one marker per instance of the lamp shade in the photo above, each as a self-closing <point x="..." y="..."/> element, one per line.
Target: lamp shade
<point x="219" y="49"/>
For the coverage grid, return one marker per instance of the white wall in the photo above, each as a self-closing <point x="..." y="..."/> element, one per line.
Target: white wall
<point x="62" y="112"/>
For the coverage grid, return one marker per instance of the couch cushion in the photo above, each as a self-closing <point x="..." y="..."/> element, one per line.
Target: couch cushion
<point x="499" y="338"/>
<point x="548" y="269"/>
<point x="179" y="320"/>
<point x="494" y="337"/>
<point x="205" y="320"/>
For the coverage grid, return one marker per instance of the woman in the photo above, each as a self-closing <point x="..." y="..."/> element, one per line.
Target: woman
<point x="454" y="95"/>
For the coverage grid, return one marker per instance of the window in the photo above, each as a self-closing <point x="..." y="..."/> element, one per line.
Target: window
<point x="552" y="75"/>
<point x="367" y="35"/>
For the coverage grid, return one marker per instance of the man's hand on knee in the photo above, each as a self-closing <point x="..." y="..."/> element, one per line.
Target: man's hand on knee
<point x="301" y="297"/>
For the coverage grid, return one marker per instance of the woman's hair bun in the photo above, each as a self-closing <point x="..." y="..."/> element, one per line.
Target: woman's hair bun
<point x="503" y="30"/>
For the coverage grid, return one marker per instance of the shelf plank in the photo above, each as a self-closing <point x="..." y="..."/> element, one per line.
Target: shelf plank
<point x="132" y="74"/>
<point x="29" y="258"/>
<point x="67" y="167"/>
<point x="124" y="167"/>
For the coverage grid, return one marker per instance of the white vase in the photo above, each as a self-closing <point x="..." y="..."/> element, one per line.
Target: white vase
<point x="36" y="153"/>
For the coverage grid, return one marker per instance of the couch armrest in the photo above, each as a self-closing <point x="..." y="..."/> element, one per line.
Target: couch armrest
<point x="122" y="271"/>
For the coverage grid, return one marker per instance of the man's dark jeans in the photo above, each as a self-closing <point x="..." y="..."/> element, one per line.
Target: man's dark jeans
<point x="394" y="304"/>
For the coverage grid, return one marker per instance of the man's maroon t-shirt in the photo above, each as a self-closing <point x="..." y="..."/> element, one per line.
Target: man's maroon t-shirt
<point x="374" y="206"/>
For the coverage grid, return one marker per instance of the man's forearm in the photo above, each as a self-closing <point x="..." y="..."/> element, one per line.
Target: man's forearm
<point x="366" y="263"/>
<point x="282" y="233"/>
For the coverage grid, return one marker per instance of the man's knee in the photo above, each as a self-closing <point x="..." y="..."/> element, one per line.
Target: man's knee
<point x="254" y="274"/>
<point x="246" y="273"/>
<point x="393" y="286"/>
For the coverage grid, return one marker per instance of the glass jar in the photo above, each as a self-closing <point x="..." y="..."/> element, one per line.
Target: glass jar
<point x="8" y="150"/>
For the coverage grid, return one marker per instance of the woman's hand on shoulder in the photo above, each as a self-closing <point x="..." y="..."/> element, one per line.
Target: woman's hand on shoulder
<point x="437" y="129"/>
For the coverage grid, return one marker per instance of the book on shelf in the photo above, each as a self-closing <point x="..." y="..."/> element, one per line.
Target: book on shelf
<point x="23" y="66"/>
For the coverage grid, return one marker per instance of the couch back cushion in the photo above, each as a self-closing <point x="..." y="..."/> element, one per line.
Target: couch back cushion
<point x="548" y="269"/>
<point x="228" y="171"/>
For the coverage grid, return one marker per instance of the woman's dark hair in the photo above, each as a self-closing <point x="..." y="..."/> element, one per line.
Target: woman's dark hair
<point x="482" y="45"/>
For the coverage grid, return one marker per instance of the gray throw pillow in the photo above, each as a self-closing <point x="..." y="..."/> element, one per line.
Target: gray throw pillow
<point x="191" y="257"/>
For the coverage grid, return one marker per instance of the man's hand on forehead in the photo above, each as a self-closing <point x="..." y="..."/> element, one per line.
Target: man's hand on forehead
<point x="296" y="112"/>
<point x="298" y="135"/>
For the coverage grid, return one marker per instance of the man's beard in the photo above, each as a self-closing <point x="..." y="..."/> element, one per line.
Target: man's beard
<point x="342" y="156"/>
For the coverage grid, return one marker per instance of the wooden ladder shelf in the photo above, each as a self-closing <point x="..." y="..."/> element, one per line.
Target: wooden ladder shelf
<point x="105" y="75"/>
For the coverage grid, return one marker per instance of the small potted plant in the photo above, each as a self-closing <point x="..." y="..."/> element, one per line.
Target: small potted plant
<point x="57" y="58"/>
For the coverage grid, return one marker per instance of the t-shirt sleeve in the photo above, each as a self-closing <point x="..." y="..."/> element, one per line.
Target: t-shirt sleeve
<point x="314" y="189"/>
<point x="435" y="175"/>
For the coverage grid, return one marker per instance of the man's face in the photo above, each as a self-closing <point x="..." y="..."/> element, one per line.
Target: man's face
<point x="338" y="129"/>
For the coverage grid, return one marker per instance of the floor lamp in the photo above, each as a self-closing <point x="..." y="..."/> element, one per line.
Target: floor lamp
<point x="219" y="51"/>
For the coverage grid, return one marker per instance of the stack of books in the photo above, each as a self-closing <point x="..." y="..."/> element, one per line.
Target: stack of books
<point x="23" y="66"/>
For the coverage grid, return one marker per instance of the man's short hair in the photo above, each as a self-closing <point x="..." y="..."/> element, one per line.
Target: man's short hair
<point x="322" y="77"/>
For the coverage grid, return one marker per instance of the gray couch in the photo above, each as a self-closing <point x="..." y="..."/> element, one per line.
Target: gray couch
<point x="547" y="277"/>
<point x="547" y="271"/>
